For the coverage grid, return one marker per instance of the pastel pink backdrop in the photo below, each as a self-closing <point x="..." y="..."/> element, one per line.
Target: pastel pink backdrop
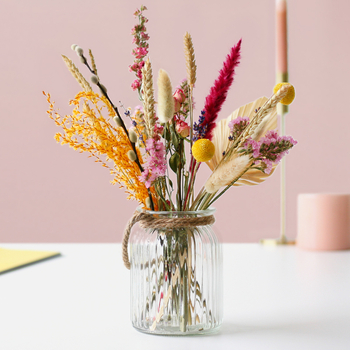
<point x="49" y="193"/>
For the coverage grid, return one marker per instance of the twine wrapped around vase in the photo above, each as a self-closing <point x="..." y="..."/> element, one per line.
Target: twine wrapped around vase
<point x="150" y="221"/>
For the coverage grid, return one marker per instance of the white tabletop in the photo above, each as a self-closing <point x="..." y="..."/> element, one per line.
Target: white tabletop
<point x="274" y="298"/>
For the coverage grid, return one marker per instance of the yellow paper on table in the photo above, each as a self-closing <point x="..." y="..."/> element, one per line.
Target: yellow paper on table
<point x="11" y="259"/>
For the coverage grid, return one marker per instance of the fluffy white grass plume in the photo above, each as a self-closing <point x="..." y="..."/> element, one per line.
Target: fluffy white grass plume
<point x="165" y="97"/>
<point x="227" y="172"/>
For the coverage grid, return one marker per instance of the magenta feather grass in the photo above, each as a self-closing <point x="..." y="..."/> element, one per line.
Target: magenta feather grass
<point x="219" y="90"/>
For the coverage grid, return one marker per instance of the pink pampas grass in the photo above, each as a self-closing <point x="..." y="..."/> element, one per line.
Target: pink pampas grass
<point x="218" y="92"/>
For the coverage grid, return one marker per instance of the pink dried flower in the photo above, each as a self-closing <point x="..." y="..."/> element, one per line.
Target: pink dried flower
<point x="218" y="92"/>
<point x="157" y="131"/>
<point x="177" y="105"/>
<point x="238" y="121"/>
<point x="237" y="127"/>
<point x="155" y="165"/>
<point x="140" y="52"/>
<point x="140" y="39"/>
<point x="266" y="165"/>
<point x="182" y="128"/>
<point x="133" y="67"/>
<point x="136" y="85"/>
<point x="269" y="150"/>
<point x="179" y="95"/>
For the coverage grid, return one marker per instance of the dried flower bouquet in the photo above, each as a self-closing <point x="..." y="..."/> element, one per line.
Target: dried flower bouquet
<point x="176" y="261"/>
<point x="243" y="149"/>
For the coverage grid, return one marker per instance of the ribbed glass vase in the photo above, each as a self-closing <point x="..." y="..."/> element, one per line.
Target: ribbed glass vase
<point x="176" y="277"/>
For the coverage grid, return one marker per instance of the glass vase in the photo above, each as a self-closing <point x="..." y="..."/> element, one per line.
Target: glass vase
<point x="176" y="277"/>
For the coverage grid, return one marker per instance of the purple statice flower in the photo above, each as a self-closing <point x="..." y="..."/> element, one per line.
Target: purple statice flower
<point x="200" y="129"/>
<point x="266" y="165"/>
<point x="275" y="147"/>
<point x="253" y="147"/>
<point x="155" y="165"/>
<point x="237" y="126"/>
<point x="269" y="150"/>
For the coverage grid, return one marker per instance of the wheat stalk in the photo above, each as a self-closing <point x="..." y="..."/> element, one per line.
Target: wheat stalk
<point x="263" y="111"/>
<point x="76" y="74"/>
<point x="93" y="63"/>
<point x="148" y="97"/>
<point x="190" y="60"/>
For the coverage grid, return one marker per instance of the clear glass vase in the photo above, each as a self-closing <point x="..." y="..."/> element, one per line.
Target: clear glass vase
<point x="176" y="278"/>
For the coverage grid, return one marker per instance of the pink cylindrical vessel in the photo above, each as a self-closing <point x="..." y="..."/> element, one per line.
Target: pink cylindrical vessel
<point x="281" y="37"/>
<point x="324" y="221"/>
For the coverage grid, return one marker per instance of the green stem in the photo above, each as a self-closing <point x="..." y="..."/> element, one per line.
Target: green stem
<point x="191" y="185"/>
<point x="207" y="200"/>
<point x="160" y="194"/>
<point x="169" y="195"/>
<point x="179" y="177"/>
<point x="199" y="197"/>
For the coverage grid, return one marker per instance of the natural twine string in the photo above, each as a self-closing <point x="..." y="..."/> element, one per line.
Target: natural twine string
<point x="149" y="221"/>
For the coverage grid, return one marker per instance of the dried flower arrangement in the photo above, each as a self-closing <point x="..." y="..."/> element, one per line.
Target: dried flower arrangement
<point x="243" y="149"/>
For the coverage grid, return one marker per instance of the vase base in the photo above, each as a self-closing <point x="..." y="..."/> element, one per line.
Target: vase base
<point x="175" y="331"/>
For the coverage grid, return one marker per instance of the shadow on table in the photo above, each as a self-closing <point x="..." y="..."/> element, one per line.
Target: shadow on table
<point x="232" y="329"/>
<point x="320" y="325"/>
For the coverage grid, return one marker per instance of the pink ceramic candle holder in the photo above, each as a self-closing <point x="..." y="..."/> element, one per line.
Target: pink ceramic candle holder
<point x="324" y="221"/>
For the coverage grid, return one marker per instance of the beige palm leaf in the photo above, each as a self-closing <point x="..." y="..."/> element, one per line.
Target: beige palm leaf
<point x="222" y="132"/>
<point x="253" y="177"/>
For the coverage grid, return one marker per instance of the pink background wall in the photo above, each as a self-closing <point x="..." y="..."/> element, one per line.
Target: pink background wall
<point x="49" y="193"/>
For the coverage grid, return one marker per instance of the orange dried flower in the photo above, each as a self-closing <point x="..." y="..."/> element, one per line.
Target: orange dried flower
<point x="86" y="130"/>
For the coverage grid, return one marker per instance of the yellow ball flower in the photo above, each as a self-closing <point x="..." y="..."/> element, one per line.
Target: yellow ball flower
<point x="203" y="150"/>
<point x="288" y="99"/>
